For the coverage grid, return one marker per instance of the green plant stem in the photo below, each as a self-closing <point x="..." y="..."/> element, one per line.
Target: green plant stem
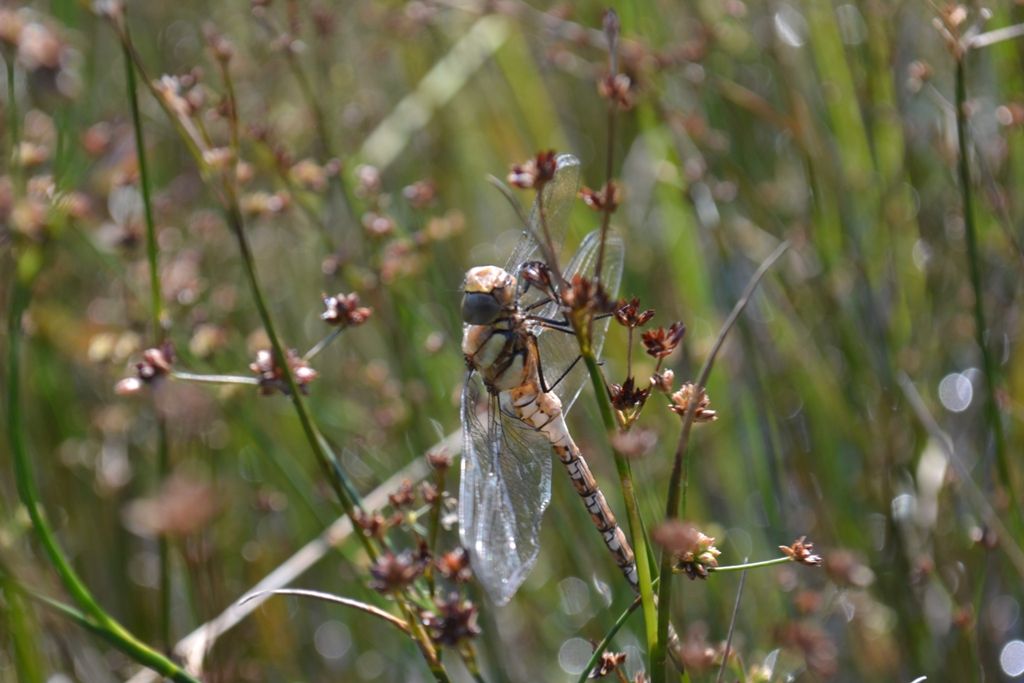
<point x="237" y="225"/>
<point x="751" y="565"/>
<point x="156" y="299"/>
<point x="973" y="264"/>
<point x="329" y="464"/>
<point x="636" y="531"/>
<point x="13" y="124"/>
<point x="606" y="641"/>
<point x="213" y="379"/>
<point x="679" y="480"/>
<point x="105" y="624"/>
<point x="163" y="466"/>
<point x="24" y="643"/>
<point x="156" y="322"/>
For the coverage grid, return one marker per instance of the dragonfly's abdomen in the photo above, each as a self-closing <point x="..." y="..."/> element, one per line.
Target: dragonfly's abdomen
<point x="544" y="412"/>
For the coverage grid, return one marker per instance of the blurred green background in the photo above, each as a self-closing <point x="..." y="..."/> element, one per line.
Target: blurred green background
<point x="832" y="124"/>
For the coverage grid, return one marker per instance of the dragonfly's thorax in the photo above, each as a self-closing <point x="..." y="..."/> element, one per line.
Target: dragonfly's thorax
<point x="504" y="353"/>
<point x="496" y="341"/>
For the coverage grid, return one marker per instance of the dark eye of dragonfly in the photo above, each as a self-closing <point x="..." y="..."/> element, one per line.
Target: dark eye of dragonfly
<point x="479" y="308"/>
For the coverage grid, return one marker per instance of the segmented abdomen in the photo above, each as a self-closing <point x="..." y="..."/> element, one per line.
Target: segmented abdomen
<point x="543" y="411"/>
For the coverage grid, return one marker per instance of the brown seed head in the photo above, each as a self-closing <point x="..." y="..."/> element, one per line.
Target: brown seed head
<point x="628" y="313"/>
<point x="609" y="662"/>
<point x="453" y="622"/>
<point x="372" y="524"/>
<point x="694" y="553"/>
<point x="618" y="89"/>
<point x="404" y="497"/>
<point x="429" y="492"/>
<point x="271" y="376"/>
<point x="801" y="551"/>
<point x="586" y="296"/>
<point x="681" y="403"/>
<point x="344" y="309"/>
<point x="439" y="459"/>
<point x="628" y="396"/>
<point x="454" y="566"/>
<point x="663" y="380"/>
<point x="392" y="572"/>
<point x="660" y="343"/>
<point x="156" y="363"/>
<point x="605" y="200"/>
<point x="535" y="172"/>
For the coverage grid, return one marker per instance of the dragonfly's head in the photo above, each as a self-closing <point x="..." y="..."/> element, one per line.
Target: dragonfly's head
<point x="489" y="292"/>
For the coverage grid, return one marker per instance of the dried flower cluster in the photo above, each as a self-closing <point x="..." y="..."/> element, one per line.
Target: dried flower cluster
<point x="392" y="572"/>
<point x="585" y="298"/>
<point x="454" y="566"/>
<point x="618" y="89"/>
<point x="607" y="664"/>
<point x="686" y="394"/>
<point x="156" y="363"/>
<point x="271" y="375"/>
<point x="629" y="315"/>
<point x="454" y="620"/>
<point x="534" y="173"/>
<point x="605" y="200"/>
<point x="801" y="551"/>
<point x="694" y="552"/>
<point x="660" y="343"/>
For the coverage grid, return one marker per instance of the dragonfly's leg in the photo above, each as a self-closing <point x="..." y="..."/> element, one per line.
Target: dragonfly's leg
<point x="552" y="324"/>
<point x="537" y="304"/>
<point x="543" y="383"/>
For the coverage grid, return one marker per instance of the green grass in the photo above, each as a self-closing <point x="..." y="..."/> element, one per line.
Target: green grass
<point x="753" y="124"/>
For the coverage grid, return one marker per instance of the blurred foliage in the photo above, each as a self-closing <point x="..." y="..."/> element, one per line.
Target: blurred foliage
<point x="830" y="124"/>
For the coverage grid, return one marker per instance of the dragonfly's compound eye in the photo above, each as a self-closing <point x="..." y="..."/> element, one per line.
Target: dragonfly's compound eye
<point x="480" y="308"/>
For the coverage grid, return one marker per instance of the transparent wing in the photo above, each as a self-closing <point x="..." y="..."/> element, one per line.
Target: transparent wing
<point x="504" y="490"/>
<point x="559" y="350"/>
<point x="559" y="196"/>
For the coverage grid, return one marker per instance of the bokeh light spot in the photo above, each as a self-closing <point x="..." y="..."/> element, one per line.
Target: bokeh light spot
<point x="956" y="392"/>
<point x="1011" y="658"/>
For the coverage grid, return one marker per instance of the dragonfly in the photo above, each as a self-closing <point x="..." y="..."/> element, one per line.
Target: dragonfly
<point x="522" y="365"/>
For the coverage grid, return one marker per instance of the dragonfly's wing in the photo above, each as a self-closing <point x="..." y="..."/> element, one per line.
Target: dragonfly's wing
<point x="559" y="195"/>
<point x="559" y="350"/>
<point x="505" y="488"/>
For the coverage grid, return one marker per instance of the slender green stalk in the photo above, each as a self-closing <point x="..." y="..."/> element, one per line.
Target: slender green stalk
<point x="163" y="467"/>
<point x="324" y="457"/>
<point x="606" y="641"/>
<point x="323" y="344"/>
<point x="636" y="530"/>
<point x="235" y="222"/>
<point x="973" y="264"/>
<point x="105" y="624"/>
<point x="751" y="565"/>
<point x="327" y="462"/>
<point x="14" y="124"/>
<point x="24" y="643"/>
<point x="156" y="299"/>
<point x="732" y="626"/>
<point x="679" y="480"/>
<point x="213" y="379"/>
<point x="156" y="322"/>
